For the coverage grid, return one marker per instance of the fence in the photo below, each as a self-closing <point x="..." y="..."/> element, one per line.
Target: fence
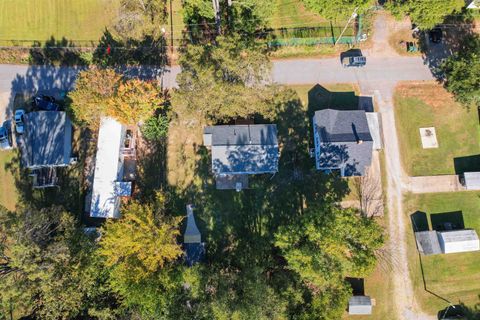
<point x="310" y="36"/>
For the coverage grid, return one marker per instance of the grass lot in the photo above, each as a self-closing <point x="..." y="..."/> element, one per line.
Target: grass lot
<point x="292" y="13"/>
<point x="8" y="193"/>
<point x="42" y="19"/>
<point x="429" y="105"/>
<point x="455" y="277"/>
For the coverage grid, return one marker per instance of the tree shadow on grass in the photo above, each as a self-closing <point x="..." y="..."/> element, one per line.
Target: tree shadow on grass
<point x="59" y="53"/>
<point x="320" y="98"/>
<point x="148" y="54"/>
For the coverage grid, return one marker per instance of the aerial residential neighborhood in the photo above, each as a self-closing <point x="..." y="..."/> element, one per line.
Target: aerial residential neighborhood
<point x="250" y="159"/>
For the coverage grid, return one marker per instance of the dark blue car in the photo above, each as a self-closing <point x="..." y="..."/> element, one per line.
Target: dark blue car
<point x="46" y="103"/>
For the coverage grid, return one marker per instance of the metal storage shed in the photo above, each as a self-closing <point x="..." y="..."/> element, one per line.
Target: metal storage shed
<point x="458" y="241"/>
<point x="472" y="180"/>
<point x="192" y="234"/>
<point x="358" y="305"/>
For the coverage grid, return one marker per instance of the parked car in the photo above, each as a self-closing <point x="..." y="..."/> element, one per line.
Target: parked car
<point x="358" y="61"/>
<point x="435" y="35"/>
<point x="19" y="121"/>
<point x="5" y="142"/>
<point x="43" y="102"/>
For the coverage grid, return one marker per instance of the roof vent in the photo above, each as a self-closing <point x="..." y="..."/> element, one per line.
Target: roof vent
<point x="359" y="141"/>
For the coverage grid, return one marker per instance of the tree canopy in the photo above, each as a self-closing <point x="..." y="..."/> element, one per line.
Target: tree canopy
<point x="426" y="14"/>
<point x="47" y="267"/>
<point x="462" y="72"/>
<point x="226" y="81"/>
<point x="103" y="92"/>
<point x="140" y="243"/>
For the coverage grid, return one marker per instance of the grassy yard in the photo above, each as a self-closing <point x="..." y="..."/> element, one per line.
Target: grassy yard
<point x="292" y="13"/>
<point x="8" y="192"/>
<point x="457" y="128"/>
<point x="42" y="19"/>
<point x="454" y="277"/>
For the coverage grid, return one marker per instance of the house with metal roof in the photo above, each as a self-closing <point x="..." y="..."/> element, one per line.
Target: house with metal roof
<point x="343" y="141"/>
<point x="241" y="150"/>
<point x="109" y="184"/>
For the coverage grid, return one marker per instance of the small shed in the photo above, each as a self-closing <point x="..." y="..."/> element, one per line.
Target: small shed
<point x="192" y="240"/>
<point x="471" y="180"/>
<point x="427" y="242"/>
<point x="454" y="241"/>
<point x="360" y="305"/>
<point x="192" y="234"/>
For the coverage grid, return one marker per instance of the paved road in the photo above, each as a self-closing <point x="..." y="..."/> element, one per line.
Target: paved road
<point x="15" y="78"/>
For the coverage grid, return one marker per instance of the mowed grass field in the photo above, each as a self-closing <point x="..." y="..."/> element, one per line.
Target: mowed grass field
<point x="76" y="20"/>
<point x="8" y="192"/>
<point x="455" y="277"/>
<point x="420" y="105"/>
<point x="292" y="13"/>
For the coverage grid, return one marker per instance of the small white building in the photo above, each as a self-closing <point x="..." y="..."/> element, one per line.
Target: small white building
<point x="454" y="241"/>
<point x="475" y="4"/>
<point x="471" y="180"/>
<point x="108" y="186"/>
<point x="360" y="305"/>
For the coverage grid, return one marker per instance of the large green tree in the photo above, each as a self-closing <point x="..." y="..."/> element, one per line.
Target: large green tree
<point x="462" y="72"/>
<point x="48" y="269"/>
<point x="139" y="250"/>
<point x="103" y="92"/>
<point x="226" y="81"/>
<point x="326" y="244"/>
<point x="426" y="14"/>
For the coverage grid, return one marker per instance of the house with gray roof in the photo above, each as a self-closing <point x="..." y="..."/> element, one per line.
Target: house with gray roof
<point x="342" y="141"/>
<point x="242" y="150"/>
<point x="48" y="139"/>
<point x="46" y="144"/>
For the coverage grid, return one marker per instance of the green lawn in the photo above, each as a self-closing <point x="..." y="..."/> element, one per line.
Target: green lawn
<point x="42" y="19"/>
<point x="457" y="129"/>
<point x="292" y="13"/>
<point x="455" y="277"/>
<point x="8" y="192"/>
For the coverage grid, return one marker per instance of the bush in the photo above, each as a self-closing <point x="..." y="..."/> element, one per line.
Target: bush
<point x="155" y="128"/>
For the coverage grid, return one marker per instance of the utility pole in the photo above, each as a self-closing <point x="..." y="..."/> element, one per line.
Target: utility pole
<point x="216" y="9"/>
<point x="353" y="16"/>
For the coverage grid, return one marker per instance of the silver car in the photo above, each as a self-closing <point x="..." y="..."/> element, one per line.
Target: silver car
<point x="19" y="121"/>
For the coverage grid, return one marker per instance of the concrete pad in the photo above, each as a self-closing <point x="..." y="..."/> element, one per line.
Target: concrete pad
<point x="374" y="127"/>
<point x="429" y="184"/>
<point x="429" y="138"/>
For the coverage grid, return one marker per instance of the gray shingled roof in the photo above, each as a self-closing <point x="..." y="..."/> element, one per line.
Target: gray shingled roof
<point x="48" y="139"/>
<point x="256" y="134"/>
<point x="244" y="149"/>
<point x="340" y="134"/>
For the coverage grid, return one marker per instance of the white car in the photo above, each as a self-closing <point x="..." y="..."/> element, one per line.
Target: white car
<point x="19" y="123"/>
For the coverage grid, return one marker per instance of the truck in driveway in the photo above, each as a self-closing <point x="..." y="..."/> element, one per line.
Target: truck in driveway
<point x="356" y="61"/>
